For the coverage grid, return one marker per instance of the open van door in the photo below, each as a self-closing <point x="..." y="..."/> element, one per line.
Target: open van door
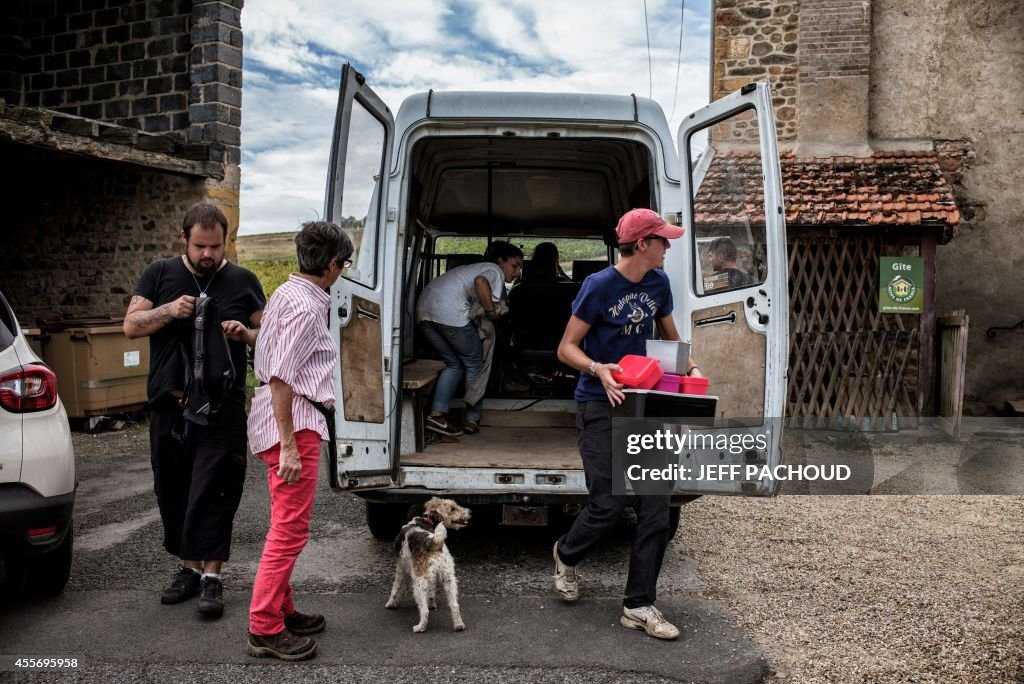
<point x="736" y="297"/>
<point x="356" y="201"/>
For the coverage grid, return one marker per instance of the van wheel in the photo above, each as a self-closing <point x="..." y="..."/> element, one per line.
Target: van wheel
<point x="386" y="519"/>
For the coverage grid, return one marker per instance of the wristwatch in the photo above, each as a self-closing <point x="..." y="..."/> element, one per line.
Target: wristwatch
<point x="592" y="368"/>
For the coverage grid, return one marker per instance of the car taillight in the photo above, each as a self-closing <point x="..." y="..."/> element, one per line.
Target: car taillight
<point x="28" y="388"/>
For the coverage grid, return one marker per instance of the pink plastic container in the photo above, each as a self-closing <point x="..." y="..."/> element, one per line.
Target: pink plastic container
<point x="669" y="383"/>
<point x="688" y="385"/>
<point x="638" y="372"/>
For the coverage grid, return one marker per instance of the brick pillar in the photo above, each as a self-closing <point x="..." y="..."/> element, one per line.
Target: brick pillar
<point x="835" y="63"/>
<point x="215" y="101"/>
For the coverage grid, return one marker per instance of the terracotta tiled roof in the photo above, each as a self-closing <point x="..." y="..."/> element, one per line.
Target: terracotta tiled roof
<point x="887" y="188"/>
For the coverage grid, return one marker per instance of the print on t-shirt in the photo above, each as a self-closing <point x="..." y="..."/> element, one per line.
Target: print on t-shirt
<point x="641" y="307"/>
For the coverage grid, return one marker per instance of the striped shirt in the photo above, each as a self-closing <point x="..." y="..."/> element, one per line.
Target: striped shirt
<point x="295" y="345"/>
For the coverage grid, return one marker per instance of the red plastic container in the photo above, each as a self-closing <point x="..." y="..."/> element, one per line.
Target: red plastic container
<point x="669" y="383"/>
<point x="688" y="385"/>
<point x="638" y="372"/>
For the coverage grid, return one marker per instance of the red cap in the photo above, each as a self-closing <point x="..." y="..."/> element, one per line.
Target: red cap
<point x="640" y="223"/>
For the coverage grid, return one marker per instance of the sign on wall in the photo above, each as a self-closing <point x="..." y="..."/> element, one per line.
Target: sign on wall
<point x="901" y="285"/>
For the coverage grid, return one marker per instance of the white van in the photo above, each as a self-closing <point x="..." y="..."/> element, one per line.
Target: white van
<point x="429" y="189"/>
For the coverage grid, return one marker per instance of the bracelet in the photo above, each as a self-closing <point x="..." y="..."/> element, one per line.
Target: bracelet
<point x="690" y="370"/>
<point x="592" y="368"/>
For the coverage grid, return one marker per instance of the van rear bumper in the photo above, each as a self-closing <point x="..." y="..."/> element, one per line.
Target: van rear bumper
<point x="23" y="509"/>
<point x="470" y="498"/>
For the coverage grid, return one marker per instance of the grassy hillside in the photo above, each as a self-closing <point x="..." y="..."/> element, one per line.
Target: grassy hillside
<point x="271" y="256"/>
<point x="266" y="247"/>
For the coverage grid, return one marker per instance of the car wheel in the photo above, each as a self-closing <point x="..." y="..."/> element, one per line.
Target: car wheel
<point x="49" y="573"/>
<point x="15" y="572"/>
<point x="386" y="519"/>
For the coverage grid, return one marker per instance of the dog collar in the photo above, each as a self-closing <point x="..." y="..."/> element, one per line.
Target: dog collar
<point x="425" y="521"/>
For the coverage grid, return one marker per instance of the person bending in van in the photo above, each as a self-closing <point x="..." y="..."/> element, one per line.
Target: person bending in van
<point x="614" y="315"/>
<point x="444" y="314"/>
<point x="295" y="360"/>
<point x="198" y="470"/>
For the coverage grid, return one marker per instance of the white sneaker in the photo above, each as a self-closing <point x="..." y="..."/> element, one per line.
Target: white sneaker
<point x="567" y="582"/>
<point x="649" y="619"/>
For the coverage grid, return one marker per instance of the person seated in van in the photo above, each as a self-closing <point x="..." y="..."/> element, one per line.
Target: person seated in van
<point x="544" y="266"/>
<point x="444" y="314"/>
<point x="723" y="263"/>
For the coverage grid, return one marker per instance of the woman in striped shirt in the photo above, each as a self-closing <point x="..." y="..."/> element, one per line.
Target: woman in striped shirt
<point x="295" y="359"/>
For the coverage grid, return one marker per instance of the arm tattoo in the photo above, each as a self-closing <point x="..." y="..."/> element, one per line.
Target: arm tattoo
<point x="160" y="316"/>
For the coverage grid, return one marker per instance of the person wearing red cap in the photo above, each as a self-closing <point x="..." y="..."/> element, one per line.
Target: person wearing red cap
<point x="615" y="313"/>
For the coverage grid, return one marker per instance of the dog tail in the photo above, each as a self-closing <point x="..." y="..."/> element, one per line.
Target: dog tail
<point x="440" y="534"/>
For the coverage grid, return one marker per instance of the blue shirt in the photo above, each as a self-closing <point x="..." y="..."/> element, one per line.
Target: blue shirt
<point x="622" y="317"/>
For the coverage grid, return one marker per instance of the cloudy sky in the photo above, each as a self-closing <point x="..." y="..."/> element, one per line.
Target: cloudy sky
<point x="294" y="50"/>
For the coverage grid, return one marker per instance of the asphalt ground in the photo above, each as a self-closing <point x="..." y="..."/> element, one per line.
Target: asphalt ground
<point x="110" y="618"/>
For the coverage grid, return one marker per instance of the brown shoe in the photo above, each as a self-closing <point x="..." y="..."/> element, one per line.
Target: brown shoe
<point x="305" y="623"/>
<point x="283" y="645"/>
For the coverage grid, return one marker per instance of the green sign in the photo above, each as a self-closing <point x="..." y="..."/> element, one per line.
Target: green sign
<point x="901" y="285"/>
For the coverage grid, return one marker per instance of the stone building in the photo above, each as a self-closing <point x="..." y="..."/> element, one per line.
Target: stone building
<point x="115" y="116"/>
<point x="887" y="113"/>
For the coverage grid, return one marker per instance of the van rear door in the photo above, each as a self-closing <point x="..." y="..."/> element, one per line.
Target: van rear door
<point x="356" y="201"/>
<point x="736" y="296"/>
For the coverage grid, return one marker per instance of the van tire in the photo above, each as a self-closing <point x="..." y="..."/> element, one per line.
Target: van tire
<point x="386" y="519"/>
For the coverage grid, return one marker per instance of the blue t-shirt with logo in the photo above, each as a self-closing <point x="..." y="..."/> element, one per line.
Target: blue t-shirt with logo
<point x="622" y="317"/>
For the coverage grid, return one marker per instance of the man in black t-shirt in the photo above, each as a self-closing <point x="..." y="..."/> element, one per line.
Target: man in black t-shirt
<point x="198" y="471"/>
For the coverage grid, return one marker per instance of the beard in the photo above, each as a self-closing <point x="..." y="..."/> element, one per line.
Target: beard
<point x="203" y="270"/>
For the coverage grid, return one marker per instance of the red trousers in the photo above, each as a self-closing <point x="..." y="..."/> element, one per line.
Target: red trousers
<point x="291" y="506"/>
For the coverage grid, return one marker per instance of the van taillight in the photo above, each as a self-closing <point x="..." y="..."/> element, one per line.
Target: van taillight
<point x="28" y="388"/>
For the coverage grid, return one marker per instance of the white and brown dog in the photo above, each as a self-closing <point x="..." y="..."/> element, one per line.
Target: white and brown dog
<point x="424" y="558"/>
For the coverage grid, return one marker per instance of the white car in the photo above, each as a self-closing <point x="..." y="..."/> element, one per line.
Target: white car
<point x="37" y="468"/>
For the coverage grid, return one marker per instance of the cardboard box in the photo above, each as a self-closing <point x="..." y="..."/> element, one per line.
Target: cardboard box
<point x="99" y="370"/>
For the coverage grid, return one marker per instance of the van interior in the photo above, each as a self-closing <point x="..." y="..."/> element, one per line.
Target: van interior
<point x="466" y="192"/>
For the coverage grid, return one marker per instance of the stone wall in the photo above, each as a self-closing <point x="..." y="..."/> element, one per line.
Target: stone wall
<point x="756" y="39"/>
<point x="160" y="66"/>
<point x="949" y="71"/>
<point x="64" y="257"/>
<point x="80" y="228"/>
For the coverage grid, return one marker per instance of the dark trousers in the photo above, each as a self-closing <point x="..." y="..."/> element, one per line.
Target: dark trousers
<point x="604" y="509"/>
<point x="198" y="478"/>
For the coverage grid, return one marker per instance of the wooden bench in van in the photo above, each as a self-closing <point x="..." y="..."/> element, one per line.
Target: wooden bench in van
<point x="417" y="378"/>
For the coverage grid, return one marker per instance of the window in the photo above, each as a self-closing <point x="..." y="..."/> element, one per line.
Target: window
<point x="728" y="204"/>
<point x="360" y="202"/>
